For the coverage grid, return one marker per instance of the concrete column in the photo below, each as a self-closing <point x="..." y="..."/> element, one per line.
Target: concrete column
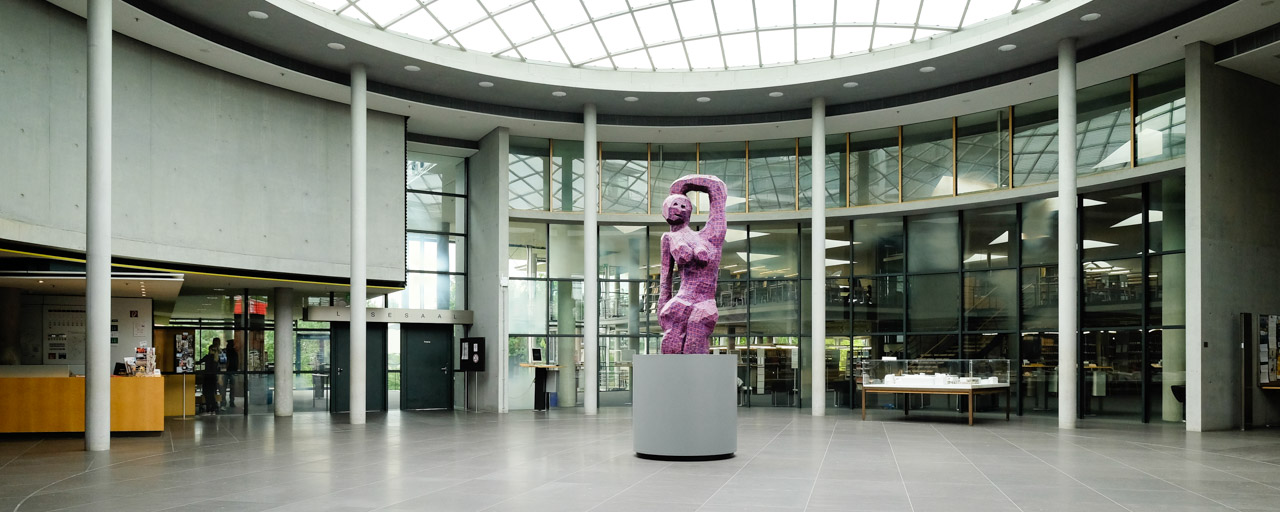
<point x="97" y="357"/>
<point x="818" y="258"/>
<point x="284" y="351"/>
<point x="590" y="254"/>
<point x="359" y="198"/>
<point x="1068" y="243"/>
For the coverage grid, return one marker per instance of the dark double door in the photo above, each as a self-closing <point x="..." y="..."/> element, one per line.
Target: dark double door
<point x="426" y="366"/>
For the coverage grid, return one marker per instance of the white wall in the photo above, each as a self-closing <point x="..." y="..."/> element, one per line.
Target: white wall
<point x="208" y="169"/>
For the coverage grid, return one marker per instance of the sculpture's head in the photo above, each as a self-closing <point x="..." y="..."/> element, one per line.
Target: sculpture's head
<point x="677" y="209"/>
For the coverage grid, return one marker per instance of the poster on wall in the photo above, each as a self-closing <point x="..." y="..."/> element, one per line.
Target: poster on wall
<point x="1272" y="342"/>
<point x="184" y="352"/>
<point x="1265" y="324"/>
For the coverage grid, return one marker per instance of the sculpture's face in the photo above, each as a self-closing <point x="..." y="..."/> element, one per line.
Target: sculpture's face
<point x="677" y="209"/>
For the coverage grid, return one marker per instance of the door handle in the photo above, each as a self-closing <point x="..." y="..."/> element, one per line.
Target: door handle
<point x="339" y="371"/>
<point x="444" y="369"/>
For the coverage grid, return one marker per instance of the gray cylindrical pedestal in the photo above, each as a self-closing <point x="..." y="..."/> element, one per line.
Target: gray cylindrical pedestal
<point x="684" y="406"/>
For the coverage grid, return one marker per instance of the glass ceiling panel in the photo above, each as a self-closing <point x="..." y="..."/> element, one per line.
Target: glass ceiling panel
<point x="653" y="35"/>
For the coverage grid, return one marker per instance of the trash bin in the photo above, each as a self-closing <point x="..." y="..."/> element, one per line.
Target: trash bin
<point x="552" y="400"/>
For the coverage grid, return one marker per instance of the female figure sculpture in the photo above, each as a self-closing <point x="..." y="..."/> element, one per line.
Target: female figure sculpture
<point x="688" y="318"/>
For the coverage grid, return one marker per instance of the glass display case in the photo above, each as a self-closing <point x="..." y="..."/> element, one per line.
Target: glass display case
<point x="936" y="373"/>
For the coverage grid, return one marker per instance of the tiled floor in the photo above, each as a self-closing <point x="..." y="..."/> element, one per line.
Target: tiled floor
<point x="786" y="460"/>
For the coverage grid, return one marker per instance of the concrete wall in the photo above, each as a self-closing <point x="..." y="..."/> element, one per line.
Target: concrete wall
<point x="1232" y="249"/>
<point x="209" y="168"/>
<point x="487" y="268"/>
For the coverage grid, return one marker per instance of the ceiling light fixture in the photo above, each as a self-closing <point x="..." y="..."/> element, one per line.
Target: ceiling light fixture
<point x="485" y="84"/>
<point x="258" y="15"/>
<point x="411" y="67"/>
<point x="337" y="46"/>
<point x="850" y="85"/>
<point x="703" y="99"/>
<point x="1007" y="47"/>
<point x="631" y="99"/>
<point x="775" y="94"/>
<point x="1090" y="17"/>
<point x="559" y="94"/>
<point x="928" y="69"/>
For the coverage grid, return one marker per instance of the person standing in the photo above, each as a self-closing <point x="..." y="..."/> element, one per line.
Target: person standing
<point x="209" y="376"/>
<point x="233" y="366"/>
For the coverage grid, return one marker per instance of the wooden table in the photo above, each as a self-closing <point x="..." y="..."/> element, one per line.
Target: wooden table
<point x="971" y="390"/>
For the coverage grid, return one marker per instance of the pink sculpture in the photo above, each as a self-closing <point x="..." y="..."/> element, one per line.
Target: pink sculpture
<point x="688" y="318"/>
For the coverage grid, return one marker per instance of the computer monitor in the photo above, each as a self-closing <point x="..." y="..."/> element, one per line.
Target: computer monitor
<point x="535" y="356"/>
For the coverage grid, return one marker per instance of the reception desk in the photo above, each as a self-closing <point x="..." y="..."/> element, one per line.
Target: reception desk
<point x="56" y="404"/>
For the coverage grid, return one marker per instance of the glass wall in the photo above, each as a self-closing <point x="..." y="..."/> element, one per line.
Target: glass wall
<point x="1133" y="120"/>
<point x="435" y="233"/>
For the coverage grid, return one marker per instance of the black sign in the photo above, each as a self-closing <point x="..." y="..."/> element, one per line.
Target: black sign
<point x="471" y="355"/>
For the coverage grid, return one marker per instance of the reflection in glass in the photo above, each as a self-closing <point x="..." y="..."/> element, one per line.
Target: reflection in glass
<point x="1161" y="122"/>
<point x="893" y="345"/>
<point x="773" y="175"/>
<point x="838" y="245"/>
<point x="775" y="307"/>
<point x="878" y="246"/>
<point x="430" y="212"/>
<point x="1167" y="289"/>
<point x="873" y="167"/>
<point x="989" y="238"/>
<point x="566" y="307"/>
<point x="933" y="242"/>
<point x="1167" y="214"/>
<point x="1111" y="368"/>
<point x="430" y="291"/>
<point x="668" y="162"/>
<point x="527" y="250"/>
<point x="1112" y="293"/>
<point x="1039" y="387"/>
<point x="733" y="259"/>
<point x="1111" y="224"/>
<point x="1039" y="298"/>
<point x="837" y="166"/>
<point x="438" y="253"/>
<point x="1040" y="231"/>
<point x="527" y="304"/>
<point x="774" y="252"/>
<point x="567" y="175"/>
<point x="436" y="173"/>
<point x="837" y="300"/>
<point x="567" y="250"/>
<point x="1102" y="127"/>
<point x="933" y="346"/>
<point x="622" y="308"/>
<point x="727" y="161"/>
<point x="528" y="174"/>
<point x="927" y="160"/>
<point x="986" y="346"/>
<point x="624" y="179"/>
<point x="877" y="304"/>
<point x="932" y="303"/>
<point x="732" y="298"/>
<point x="1035" y="142"/>
<point x="982" y="151"/>
<point x="990" y="301"/>
<point x="623" y="252"/>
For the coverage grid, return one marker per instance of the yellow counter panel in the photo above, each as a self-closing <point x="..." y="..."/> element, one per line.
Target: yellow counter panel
<point x="56" y="404"/>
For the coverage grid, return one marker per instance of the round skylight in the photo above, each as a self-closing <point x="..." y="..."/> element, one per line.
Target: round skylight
<point x="672" y="35"/>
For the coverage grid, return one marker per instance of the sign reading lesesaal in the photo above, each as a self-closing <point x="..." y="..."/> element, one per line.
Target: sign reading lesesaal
<point x="390" y="315"/>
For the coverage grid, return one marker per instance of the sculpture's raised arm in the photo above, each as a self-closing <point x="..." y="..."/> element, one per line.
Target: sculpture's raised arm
<point x="717" y="192"/>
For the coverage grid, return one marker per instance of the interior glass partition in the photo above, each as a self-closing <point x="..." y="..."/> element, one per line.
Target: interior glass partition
<point x="667" y="163"/>
<point x="874" y="167"/>
<point x="1161" y="121"/>
<point x="1035" y="142"/>
<point x="772" y="167"/>
<point x="727" y="161"/>
<point x="568" y="178"/>
<point x="529" y="174"/>
<point x="982" y="151"/>
<point x="624" y="178"/>
<point x="1102" y="127"/>
<point x="927" y="160"/>
<point x="836" y="173"/>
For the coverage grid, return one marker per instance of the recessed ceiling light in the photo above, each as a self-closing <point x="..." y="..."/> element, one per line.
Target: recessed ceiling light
<point x="485" y="84"/>
<point x="703" y="99"/>
<point x="411" y="67"/>
<point x="1007" y="47"/>
<point x="337" y="46"/>
<point x="1090" y="17"/>
<point x="559" y="94"/>
<point x="850" y="85"/>
<point x="928" y="69"/>
<point x="775" y="94"/>
<point x="258" y="15"/>
<point x="40" y="281"/>
<point x="631" y="99"/>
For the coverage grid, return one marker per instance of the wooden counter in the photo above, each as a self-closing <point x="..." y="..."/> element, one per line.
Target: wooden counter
<point x="56" y="404"/>
<point x="180" y="396"/>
